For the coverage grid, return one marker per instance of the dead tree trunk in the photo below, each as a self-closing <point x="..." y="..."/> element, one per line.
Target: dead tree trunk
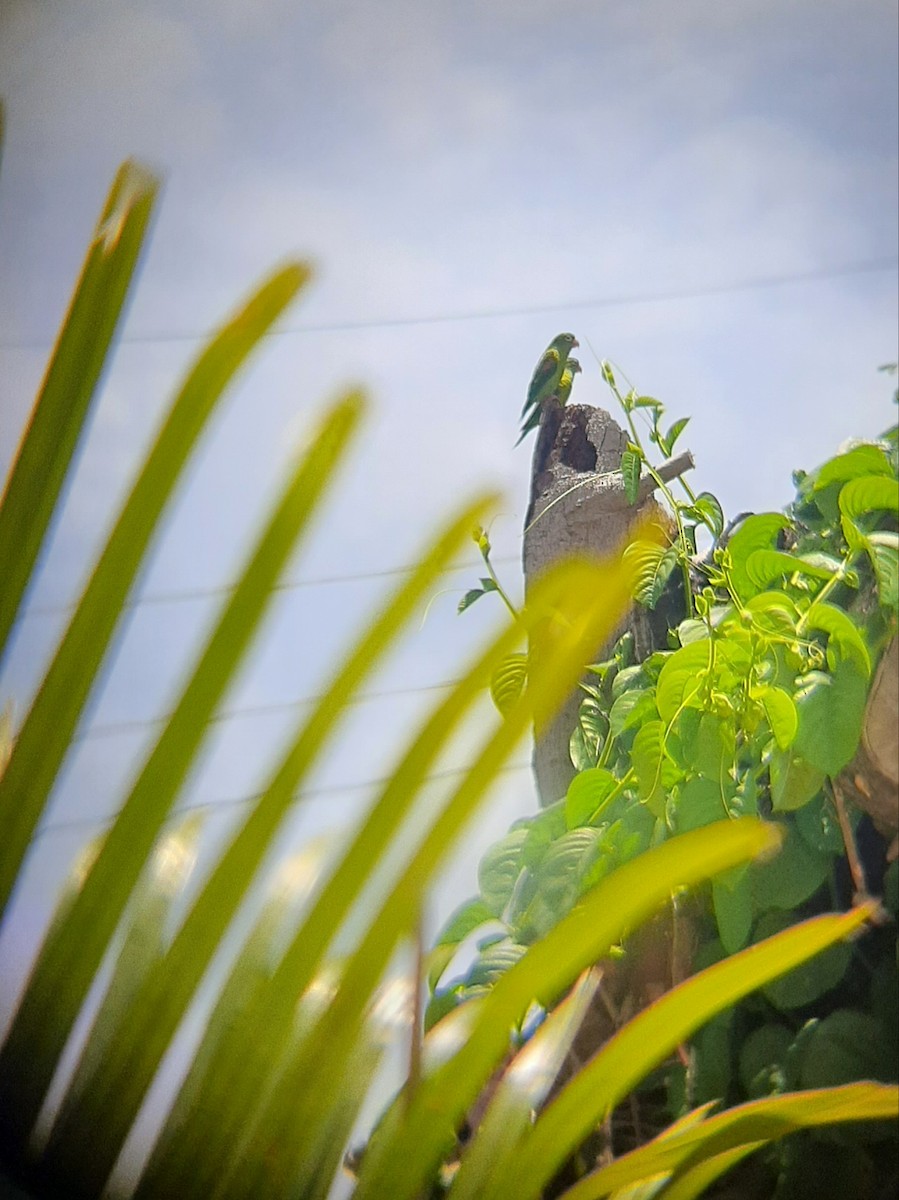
<point x="578" y="506"/>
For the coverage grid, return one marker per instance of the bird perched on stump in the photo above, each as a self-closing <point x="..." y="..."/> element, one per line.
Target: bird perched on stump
<point x="562" y="392"/>
<point x="547" y="380"/>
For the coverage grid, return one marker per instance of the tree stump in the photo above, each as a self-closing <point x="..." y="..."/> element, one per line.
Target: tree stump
<point x="578" y="506"/>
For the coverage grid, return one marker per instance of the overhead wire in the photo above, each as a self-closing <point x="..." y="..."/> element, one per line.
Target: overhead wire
<point x="660" y="296"/>
<point x="177" y="596"/>
<point x="760" y="282"/>
<point x="225" y="802"/>
<point x="183" y="595"/>
<point x="115" y="728"/>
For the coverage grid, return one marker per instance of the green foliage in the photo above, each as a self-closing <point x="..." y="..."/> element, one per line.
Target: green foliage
<point x="301" y="1024"/>
<point x="755" y="705"/>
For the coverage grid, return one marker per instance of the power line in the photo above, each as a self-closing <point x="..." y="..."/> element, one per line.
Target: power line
<point x="487" y="314"/>
<point x="115" y="728"/>
<point x="235" y="801"/>
<point x="188" y="594"/>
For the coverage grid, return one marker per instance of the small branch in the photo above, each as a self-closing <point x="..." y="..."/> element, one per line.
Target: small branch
<point x="669" y="470"/>
<point x="856" y="870"/>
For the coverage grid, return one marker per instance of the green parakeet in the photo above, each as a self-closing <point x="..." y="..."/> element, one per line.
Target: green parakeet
<point x="544" y="385"/>
<point x="549" y="370"/>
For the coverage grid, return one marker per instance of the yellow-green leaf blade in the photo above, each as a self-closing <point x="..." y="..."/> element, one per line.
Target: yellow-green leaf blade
<point x="657" y="1031"/>
<point x="159" y="1007"/>
<point x="70" y="383"/>
<point x="590" y="610"/>
<point x="46" y="733"/>
<point x="521" y="1091"/>
<point x="757" y="1121"/>
<point x="69" y="959"/>
<point x="617" y="904"/>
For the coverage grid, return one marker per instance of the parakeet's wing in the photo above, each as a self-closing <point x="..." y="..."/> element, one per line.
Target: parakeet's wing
<point x="544" y="375"/>
<point x="563" y="391"/>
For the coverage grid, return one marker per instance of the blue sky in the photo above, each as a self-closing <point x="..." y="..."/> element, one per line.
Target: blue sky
<point x="635" y="172"/>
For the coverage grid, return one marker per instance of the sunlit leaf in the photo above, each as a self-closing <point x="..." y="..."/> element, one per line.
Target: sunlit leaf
<point x="464" y="921"/>
<point x="499" y="869"/>
<point x="676" y="429"/>
<point x="469" y="598"/>
<point x="654" y="564"/>
<point x="492" y="962"/>
<point x="684" y="677"/>
<point x="781" y="713"/>
<point x="508" y="681"/>
<point x="582" y="750"/>
<point x="631" y="708"/>
<point x="757" y="532"/>
<point x="619" y="902"/>
<point x="777" y="603"/>
<point x="656" y="1032"/>
<point x="631" y="463"/>
<point x="710" y="512"/>
<point x="67" y="964"/>
<point x="70" y="383"/>
<point x="586" y="795"/>
<point x="521" y="1090"/>
<point x="883" y="549"/>
<point x="744" y="1125"/>
<point x="542" y="831"/>
<point x="808" y="980"/>
<point x="656" y="772"/>
<point x="567" y="864"/>
<point x="867" y="459"/>
<point x="793" y="780"/>
<point x="764" y="566"/>
<point x="844" y="640"/>
<point x="870" y="493"/>
<point x="831" y="709"/>
<point x="589" y="734"/>
<point x="697" y="802"/>
<point x="715" y="746"/>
